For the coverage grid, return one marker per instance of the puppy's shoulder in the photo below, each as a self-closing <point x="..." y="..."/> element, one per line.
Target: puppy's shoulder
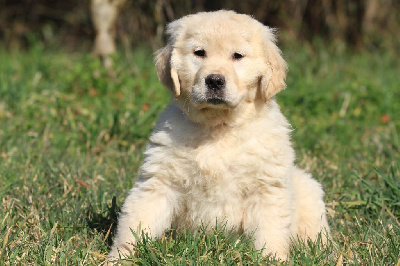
<point x="271" y="122"/>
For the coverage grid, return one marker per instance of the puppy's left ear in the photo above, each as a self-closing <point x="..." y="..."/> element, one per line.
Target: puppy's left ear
<point x="167" y="75"/>
<point x="274" y="75"/>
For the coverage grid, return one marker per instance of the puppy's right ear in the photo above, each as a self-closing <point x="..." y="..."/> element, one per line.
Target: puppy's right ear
<point x="167" y="74"/>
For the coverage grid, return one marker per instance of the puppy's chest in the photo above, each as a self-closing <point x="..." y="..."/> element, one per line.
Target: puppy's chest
<point x="223" y="162"/>
<point x="199" y="158"/>
<point x="218" y="183"/>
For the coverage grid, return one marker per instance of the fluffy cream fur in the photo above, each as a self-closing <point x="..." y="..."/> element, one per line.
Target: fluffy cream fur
<point x="231" y="161"/>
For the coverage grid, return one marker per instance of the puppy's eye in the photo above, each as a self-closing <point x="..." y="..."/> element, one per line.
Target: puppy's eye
<point x="237" y="56"/>
<point x="200" y="53"/>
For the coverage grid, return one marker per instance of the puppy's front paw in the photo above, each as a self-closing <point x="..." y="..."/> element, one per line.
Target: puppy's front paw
<point x="280" y="254"/>
<point x="119" y="252"/>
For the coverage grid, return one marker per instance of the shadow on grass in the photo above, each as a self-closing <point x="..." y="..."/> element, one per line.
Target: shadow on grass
<point x="104" y="222"/>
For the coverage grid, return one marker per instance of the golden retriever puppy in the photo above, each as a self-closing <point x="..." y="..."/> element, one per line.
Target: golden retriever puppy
<point x="221" y="152"/>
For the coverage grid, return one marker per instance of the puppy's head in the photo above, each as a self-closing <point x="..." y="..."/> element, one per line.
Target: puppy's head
<point x="220" y="66"/>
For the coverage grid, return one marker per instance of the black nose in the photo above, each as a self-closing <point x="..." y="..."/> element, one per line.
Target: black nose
<point x="215" y="82"/>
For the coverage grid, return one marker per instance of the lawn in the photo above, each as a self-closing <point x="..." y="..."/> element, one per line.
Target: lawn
<point x="72" y="136"/>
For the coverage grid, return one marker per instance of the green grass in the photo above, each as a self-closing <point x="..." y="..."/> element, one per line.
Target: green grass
<point x="72" y="137"/>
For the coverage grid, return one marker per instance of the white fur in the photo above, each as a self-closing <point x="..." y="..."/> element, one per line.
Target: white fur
<point x="231" y="163"/>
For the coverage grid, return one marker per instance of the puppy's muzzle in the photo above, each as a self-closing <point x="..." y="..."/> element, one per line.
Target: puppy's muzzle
<point x="215" y="84"/>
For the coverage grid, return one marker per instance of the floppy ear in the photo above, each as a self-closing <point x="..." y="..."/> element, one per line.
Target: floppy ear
<point x="274" y="75"/>
<point x="167" y="75"/>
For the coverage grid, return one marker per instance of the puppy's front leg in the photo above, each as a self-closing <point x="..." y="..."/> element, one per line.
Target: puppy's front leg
<point x="268" y="217"/>
<point x="149" y="207"/>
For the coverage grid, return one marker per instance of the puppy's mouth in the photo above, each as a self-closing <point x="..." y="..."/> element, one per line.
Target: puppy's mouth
<point x="215" y="101"/>
<point x="212" y="100"/>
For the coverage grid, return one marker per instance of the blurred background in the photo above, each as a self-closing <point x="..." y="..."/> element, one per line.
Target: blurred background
<point x="68" y="24"/>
